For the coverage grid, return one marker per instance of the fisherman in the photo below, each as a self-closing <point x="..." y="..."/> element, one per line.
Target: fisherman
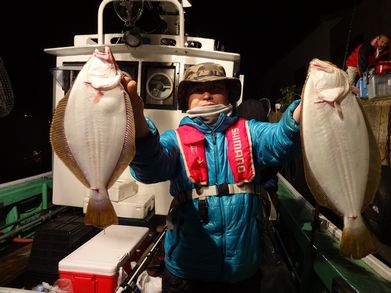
<point x="214" y="239"/>
<point x="366" y="54"/>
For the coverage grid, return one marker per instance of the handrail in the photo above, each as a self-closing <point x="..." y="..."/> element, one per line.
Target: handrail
<point x="51" y="213"/>
<point x="25" y="180"/>
<point x="175" y="2"/>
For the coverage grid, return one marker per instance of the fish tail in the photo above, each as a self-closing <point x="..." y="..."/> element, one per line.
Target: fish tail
<point x="357" y="241"/>
<point x="100" y="211"/>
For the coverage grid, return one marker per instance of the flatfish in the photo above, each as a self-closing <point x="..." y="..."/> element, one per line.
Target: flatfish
<point x="93" y="132"/>
<point x="340" y="154"/>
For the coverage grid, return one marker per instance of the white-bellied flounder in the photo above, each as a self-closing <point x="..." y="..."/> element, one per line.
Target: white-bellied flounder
<point x="340" y="153"/>
<point x="93" y="132"/>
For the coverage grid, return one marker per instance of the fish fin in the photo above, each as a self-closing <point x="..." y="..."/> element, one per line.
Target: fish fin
<point x="129" y="146"/>
<point x="337" y="106"/>
<point x="374" y="171"/>
<point x="59" y="142"/>
<point x="356" y="241"/>
<point x="100" y="211"/>
<point x="332" y="95"/>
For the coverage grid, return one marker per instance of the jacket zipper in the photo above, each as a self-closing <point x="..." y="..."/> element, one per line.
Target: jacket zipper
<point x="216" y="152"/>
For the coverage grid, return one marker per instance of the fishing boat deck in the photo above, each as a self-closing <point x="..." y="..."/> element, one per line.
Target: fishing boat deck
<point x="14" y="260"/>
<point x="319" y="250"/>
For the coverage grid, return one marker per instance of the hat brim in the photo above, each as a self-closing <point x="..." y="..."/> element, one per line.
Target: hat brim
<point x="234" y="87"/>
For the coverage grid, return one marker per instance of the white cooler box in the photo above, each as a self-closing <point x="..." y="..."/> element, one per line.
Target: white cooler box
<point x="95" y="266"/>
<point x="122" y="189"/>
<point x="136" y="206"/>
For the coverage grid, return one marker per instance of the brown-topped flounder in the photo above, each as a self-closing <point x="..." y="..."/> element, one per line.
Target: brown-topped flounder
<point x="93" y="133"/>
<point x="340" y="153"/>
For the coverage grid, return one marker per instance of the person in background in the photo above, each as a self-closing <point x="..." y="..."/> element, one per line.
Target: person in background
<point x="366" y="54"/>
<point x="213" y="240"/>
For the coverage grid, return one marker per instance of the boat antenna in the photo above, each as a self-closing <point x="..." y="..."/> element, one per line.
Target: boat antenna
<point x="349" y="34"/>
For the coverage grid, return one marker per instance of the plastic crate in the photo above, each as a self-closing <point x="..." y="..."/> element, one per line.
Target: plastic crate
<point x="379" y="86"/>
<point x="55" y="240"/>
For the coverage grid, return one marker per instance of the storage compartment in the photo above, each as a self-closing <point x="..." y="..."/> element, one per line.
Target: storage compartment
<point x="137" y="206"/>
<point x="379" y="86"/>
<point x="96" y="265"/>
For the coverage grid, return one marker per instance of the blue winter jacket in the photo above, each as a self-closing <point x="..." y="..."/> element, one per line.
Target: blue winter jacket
<point x="227" y="247"/>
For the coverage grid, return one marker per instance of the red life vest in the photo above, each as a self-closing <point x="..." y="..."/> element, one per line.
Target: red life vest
<point x="353" y="58"/>
<point x="239" y="153"/>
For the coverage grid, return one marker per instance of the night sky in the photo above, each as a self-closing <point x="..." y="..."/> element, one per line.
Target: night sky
<point x="261" y="36"/>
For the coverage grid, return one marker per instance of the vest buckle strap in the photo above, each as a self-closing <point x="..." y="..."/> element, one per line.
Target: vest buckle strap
<point x="203" y="210"/>
<point x="222" y="189"/>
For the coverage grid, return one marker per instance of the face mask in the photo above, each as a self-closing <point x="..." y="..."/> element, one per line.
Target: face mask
<point x="210" y="114"/>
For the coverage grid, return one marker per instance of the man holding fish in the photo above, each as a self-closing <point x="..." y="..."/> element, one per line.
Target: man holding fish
<point x="211" y="159"/>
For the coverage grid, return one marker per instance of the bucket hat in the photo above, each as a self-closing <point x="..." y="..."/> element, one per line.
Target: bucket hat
<point x="207" y="72"/>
